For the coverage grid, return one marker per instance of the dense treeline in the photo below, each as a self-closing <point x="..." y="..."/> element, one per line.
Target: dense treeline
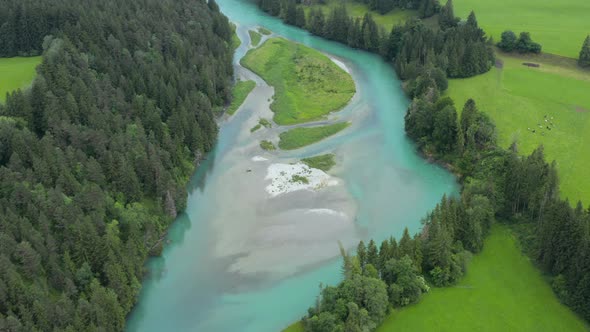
<point x="522" y="44"/>
<point x="458" y="49"/>
<point x="497" y="183"/>
<point x="94" y="157"/>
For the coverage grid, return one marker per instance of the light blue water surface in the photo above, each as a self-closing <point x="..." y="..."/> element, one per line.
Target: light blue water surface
<point x="188" y="290"/>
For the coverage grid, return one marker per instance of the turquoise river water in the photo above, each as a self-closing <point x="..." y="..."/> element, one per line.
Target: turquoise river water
<point x="239" y="260"/>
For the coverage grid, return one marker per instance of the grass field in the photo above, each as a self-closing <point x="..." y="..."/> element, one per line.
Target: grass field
<point x="300" y="137"/>
<point x="16" y="73"/>
<point x="308" y="85"/>
<point x="295" y="327"/>
<point x="255" y="37"/>
<point x="518" y="98"/>
<point x="560" y="26"/>
<point x="502" y="291"/>
<point x="240" y="92"/>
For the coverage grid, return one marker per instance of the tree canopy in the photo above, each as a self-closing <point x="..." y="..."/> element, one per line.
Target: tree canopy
<point x="95" y="156"/>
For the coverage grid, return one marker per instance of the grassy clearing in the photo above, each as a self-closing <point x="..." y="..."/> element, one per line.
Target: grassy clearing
<point x="355" y="9"/>
<point x="518" y="98"/>
<point x="264" y="31"/>
<point x="324" y="162"/>
<point x="300" y="137"/>
<point x="560" y="26"/>
<point x="502" y="291"/>
<point x="239" y="93"/>
<point x="16" y="73"/>
<point x="255" y="37"/>
<point x="267" y="145"/>
<point x="308" y="85"/>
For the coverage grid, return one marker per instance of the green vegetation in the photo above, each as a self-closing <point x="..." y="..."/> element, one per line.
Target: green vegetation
<point x="96" y="155"/>
<point x="560" y="26"/>
<point x="502" y="291"/>
<point x="255" y="37"/>
<point x="308" y="85"/>
<point x="295" y="327"/>
<point x="584" y="56"/>
<point x="16" y="73"/>
<point x="267" y="145"/>
<point x="303" y="136"/>
<point x="240" y="92"/>
<point x="255" y="128"/>
<point x="264" y="31"/>
<point x="358" y="10"/>
<point x="299" y="178"/>
<point x="265" y="123"/>
<point x="261" y="123"/>
<point x="518" y="98"/>
<point x="235" y="40"/>
<point x="324" y="162"/>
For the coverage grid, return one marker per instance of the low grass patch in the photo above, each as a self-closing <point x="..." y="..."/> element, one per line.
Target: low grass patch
<point x="298" y="178"/>
<point x="518" y="98"/>
<point x="300" y="137"/>
<point x="255" y="37"/>
<point x="261" y="123"/>
<point x="560" y="26"/>
<point x="324" y="162"/>
<point x="16" y="73"/>
<point x="267" y="145"/>
<point x="296" y="327"/>
<point x="308" y="85"/>
<point x="240" y="91"/>
<point x="502" y="291"/>
<point x="264" y="31"/>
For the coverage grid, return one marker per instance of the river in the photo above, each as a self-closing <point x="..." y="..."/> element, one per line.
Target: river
<point x="239" y="260"/>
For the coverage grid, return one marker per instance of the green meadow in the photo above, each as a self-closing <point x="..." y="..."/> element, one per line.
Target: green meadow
<point x="518" y="98"/>
<point x="308" y="85"/>
<point x="240" y="92"/>
<point x="560" y="26"/>
<point x="299" y="137"/>
<point x="502" y="291"/>
<point x="16" y="73"/>
<point x="324" y="162"/>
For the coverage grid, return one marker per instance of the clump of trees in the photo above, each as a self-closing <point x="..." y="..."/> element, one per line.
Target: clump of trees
<point x="584" y="58"/>
<point x="95" y="156"/>
<point x="522" y="44"/>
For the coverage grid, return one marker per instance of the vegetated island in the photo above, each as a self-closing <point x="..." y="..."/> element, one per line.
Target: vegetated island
<point x="299" y="137"/>
<point x="308" y="85"/>
<point x="255" y="37"/>
<point x="325" y="162"/>
<point x="240" y="92"/>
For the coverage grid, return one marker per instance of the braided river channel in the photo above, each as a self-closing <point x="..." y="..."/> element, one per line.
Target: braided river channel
<point x="242" y="258"/>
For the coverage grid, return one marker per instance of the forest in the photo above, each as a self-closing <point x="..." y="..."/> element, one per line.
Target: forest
<point x="498" y="185"/>
<point x="95" y="156"/>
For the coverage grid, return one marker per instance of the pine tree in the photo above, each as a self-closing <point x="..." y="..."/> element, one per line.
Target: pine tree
<point x="447" y="17"/>
<point x="584" y="58"/>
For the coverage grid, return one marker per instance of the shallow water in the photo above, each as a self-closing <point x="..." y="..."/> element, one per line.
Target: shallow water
<point x="240" y="260"/>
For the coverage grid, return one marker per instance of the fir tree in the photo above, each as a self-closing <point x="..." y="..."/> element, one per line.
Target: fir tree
<point x="584" y="58"/>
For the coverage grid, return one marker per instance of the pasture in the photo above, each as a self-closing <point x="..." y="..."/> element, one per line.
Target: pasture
<point x="549" y="105"/>
<point x="16" y="73"/>
<point x="502" y="291"/>
<point x="560" y="26"/>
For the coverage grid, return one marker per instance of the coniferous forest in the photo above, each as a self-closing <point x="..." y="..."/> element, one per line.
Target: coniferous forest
<point x="95" y="156"/>
<point x="497" y="183"/>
